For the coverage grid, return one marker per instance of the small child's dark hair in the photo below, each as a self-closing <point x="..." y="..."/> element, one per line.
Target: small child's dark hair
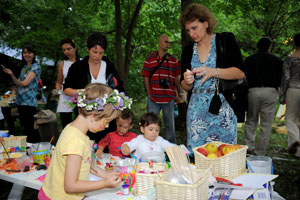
<point x="127" y="115"/>
<point x="149" y="118"/>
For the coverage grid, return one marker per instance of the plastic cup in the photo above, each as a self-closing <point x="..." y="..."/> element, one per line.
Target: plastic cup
<point x="40" y="152"/>
<point x="260" y="164"/>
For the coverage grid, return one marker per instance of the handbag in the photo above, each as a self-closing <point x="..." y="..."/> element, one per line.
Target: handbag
<point x="215" y="103"/>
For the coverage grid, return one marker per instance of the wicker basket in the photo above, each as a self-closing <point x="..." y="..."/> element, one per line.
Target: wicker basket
<point x="15" y="141"/>
<point x="228" y="166"/>
<point x="172" y="191"/>
<point x="146" y="181"/>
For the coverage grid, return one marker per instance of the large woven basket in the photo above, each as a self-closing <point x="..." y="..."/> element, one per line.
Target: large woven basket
<point x="144" y="181"/>
<point x="172" y="191"/>
<point x="228" y="166"/>
<point x="15" y="141"/>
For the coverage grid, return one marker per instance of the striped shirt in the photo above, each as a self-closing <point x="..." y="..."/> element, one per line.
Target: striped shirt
<point x="169" y="69"/>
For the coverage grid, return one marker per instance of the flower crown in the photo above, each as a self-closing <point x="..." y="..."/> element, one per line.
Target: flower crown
<point x="118" y="100"/>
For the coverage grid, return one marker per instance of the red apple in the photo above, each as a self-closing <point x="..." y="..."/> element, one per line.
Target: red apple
<point x="219" y="153"/>
<point x="221" y="147"/>
<point x="202" y="151"/>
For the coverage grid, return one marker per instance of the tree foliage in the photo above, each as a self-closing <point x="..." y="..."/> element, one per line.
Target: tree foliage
<point x="252" y="19"/>
<point x="132" y="27"/>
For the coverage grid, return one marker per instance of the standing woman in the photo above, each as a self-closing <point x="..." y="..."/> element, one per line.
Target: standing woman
<point x="70" y="56"/>
<point x="209" y="60"/>
<point x="290" y="94"/>
<point x="95" y="68"/>
<point x="27" y="90"/>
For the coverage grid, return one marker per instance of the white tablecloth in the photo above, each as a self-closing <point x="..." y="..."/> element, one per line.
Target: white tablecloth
<point x="28" y="179"/>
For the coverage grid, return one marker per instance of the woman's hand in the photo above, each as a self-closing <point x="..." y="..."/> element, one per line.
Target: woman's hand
<point x="58" y="86"/>
<point x="8" y="71"/>
<point x="125" y="149"/>
<point x="205" y="72"/>
<point x="189" y="77"/>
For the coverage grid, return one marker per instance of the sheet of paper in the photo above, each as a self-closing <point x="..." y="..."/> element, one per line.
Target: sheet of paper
<point x="251" y="180"/>
<point x="241" y="194"/>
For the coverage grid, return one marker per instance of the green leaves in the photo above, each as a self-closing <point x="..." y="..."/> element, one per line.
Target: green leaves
<point x="45" y="23"/>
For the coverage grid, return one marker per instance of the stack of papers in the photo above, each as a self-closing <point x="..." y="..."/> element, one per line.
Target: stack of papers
<point x="252" y="183"/>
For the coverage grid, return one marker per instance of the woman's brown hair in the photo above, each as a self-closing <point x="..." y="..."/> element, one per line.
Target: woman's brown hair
<point x="197" y="11"/>
<point x="97" y="90"/>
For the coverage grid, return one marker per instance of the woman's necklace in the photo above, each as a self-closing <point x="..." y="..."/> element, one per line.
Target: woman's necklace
<point x="27" y="68"/>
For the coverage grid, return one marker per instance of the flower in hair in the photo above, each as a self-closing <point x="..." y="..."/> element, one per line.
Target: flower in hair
<point x="118" y="100"/>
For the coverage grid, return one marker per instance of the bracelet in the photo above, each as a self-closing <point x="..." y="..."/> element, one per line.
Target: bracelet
<point x="218" y="73"/>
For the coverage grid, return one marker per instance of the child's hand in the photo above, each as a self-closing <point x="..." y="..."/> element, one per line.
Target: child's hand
<point x="125" y="149"/>
<point x="107" y="174"/>
<point x="113" y="180"/>
<point x="99" y="153"/>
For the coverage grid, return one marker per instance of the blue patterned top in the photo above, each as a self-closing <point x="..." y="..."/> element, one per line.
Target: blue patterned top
<point x="26" y="96"/>
<point x="203" y="126"/>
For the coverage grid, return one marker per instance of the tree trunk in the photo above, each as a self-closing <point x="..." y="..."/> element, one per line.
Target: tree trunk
<point x="119" y="49"/>
<point x="128" y="49"/>
<point x="123" y="68"/>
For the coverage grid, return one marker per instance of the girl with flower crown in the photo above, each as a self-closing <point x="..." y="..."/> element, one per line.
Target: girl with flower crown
<point x="67" y="175"/>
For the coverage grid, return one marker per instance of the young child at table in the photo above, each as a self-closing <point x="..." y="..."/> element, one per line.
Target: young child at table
<point x="70" y="166"/>
<point x="150" y="141"/>
<point x="115" y="139"/>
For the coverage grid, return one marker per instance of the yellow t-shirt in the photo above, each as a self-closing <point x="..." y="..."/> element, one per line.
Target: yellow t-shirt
<point x="71" y="141"/>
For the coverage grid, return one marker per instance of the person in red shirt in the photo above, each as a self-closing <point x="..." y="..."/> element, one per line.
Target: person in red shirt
<point x="115" y="139"/>
<point x="161" y="72"/>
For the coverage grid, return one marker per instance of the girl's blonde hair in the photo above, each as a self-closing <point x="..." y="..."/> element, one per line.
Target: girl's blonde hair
<point x="97" y="90"/>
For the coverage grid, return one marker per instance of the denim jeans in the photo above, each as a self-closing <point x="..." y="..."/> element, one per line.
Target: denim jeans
<point x="168" y="116"/>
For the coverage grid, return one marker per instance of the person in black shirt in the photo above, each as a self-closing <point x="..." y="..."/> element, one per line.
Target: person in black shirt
<point x="263" y="70"/>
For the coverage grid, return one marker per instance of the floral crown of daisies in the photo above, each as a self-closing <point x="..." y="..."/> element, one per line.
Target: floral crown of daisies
<point x="118" y="100"/>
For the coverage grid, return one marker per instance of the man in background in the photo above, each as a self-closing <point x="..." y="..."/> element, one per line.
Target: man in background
<point x="161" y="73"/>
<point x="263" y="71"/>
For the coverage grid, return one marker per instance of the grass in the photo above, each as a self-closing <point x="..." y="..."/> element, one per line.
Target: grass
<point x="286" y="166"/>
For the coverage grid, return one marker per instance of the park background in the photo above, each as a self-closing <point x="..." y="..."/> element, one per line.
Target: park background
<point x="132" y="28"/>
